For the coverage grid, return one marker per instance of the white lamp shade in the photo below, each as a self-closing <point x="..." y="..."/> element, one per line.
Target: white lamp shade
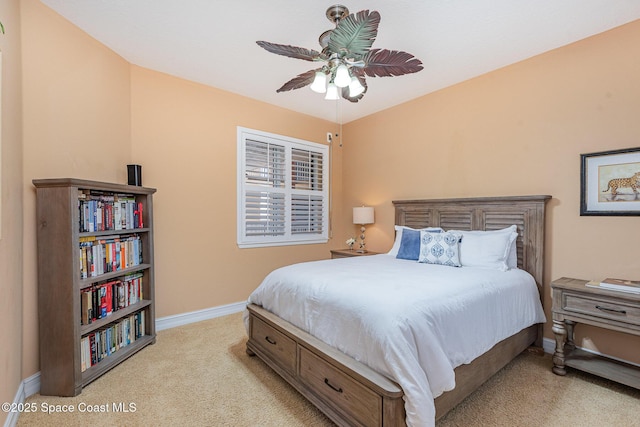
<point x="363" y="215"/>
<point x="342" y="78"/>
<point x="319" y="84"/>
<point x="355" y="88"/>
<point x="332" y="92"/>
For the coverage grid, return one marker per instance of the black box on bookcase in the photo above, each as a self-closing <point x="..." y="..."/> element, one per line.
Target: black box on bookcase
<point x="134" y="173"/>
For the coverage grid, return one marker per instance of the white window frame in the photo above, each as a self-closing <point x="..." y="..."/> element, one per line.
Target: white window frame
<point x="288" y="237"/>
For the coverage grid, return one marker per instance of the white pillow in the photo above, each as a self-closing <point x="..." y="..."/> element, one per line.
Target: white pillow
<point x="489" y="249"/>
<point x="512" y="259"/>
<point x="396" y="243"/>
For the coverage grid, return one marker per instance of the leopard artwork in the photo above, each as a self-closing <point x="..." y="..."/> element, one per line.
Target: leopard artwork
<point x="632" y="182"/>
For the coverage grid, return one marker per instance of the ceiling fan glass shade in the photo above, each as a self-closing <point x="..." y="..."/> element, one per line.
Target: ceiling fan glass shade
<point x="319" y="84"/>
<point x="332" y="92"/>
<point x="342" y="78"/>
<point x="355" y="88"/>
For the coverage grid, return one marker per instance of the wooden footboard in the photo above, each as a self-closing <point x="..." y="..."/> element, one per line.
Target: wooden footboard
<point x="348" y="392"/>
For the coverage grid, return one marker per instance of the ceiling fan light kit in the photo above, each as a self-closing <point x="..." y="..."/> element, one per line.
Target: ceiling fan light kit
<point x="347" y="56"/>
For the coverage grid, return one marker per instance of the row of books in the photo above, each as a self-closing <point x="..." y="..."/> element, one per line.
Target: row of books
<point x="620" y="285"/>
<point x="100" y="255"/>
<point x="100" y="211"/>
<point x="103" y="299"/>
<point x="100" y="344"/>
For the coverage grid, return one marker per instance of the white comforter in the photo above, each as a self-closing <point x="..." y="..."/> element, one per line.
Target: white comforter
<point x="411" y="322"/>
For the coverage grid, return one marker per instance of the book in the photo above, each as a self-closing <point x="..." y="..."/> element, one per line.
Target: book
<point x="86" y="306"/>
<point x="621" y="285"/>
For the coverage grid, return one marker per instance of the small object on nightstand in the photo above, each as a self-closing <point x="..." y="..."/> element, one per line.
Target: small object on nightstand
<point x="350" y="242"/>
<point x="620" y="285"/>
<point x="346" y="253"/>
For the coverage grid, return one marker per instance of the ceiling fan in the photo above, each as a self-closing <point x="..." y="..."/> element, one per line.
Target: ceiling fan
<point x="347" y="57"/>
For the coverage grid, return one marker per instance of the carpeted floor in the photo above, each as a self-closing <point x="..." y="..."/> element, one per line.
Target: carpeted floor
<point x="200" y="375"/>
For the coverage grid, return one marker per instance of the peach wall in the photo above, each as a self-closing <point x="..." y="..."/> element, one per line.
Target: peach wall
<point x="518" y="130"/>
<point x="10" y="205"/>
<point x="76" y="124"/>
<point x="184" y="135"/>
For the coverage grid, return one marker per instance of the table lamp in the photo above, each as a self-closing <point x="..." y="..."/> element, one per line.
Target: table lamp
<point x="362" y="215"/>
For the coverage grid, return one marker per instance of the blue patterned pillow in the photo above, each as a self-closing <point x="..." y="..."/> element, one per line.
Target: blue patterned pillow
<point x="440" y="248"/>
<point x="410" y="243"/>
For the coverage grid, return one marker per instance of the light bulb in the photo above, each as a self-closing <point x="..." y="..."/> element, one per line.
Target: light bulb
<point x="319" y="84"/>
<point x="342" y="76"/>
<point x="332" y="92"/>
<point x="355" y="88"/>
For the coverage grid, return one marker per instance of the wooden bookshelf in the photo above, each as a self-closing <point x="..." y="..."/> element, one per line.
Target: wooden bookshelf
<point x="60" y="283"/>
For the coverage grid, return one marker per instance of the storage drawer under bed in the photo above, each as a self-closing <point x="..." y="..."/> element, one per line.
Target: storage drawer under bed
<point x="277" y="345"/>
<point x="351" y="397"/>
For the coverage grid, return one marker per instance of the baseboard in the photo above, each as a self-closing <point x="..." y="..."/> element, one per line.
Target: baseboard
<point x="549" y="345"/>
<point x="12" y="417"/>
<point x="169" y="322"/>
<point x="26" y="388"/>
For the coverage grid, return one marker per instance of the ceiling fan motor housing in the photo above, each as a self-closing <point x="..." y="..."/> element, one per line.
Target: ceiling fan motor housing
<point x="336" y="12"/>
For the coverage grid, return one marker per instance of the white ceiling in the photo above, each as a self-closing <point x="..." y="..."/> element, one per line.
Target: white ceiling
<point x="213" y="42"/>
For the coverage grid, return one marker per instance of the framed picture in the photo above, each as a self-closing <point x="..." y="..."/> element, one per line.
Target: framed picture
<point x="610" y="182"/>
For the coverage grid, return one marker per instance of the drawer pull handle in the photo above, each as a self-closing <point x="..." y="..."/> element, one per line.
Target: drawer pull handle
<point x="326" y="381"/>
<point x="270" y="340"/>
<point x="611" y="310"/>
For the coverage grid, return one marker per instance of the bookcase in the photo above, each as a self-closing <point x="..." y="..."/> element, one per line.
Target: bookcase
<point x="96" y="304"/>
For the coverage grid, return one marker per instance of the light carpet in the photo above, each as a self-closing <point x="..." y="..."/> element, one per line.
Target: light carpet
<point x="200" y="375"/>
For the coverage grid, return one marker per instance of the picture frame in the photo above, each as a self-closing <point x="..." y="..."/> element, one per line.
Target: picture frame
<point x="610" y="183"/>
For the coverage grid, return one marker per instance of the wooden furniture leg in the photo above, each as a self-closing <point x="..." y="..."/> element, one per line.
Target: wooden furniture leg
<point x="560" y="332"/>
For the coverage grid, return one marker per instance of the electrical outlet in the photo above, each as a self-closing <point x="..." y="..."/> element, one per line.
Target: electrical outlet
<point x="329" y="137"/>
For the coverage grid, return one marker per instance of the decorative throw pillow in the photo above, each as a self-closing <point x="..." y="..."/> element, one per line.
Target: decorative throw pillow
<point x="410" y="243"/>
<point x="440" y="248"/>
<point x="398" y="239"/>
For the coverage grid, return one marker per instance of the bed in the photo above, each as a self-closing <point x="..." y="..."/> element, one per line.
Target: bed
<point x="343" y="375"/>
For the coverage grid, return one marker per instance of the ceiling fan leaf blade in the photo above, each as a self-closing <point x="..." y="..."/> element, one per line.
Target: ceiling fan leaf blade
<point x="389" y="63"/>
<point x="291" y="51"/>
<point x="355" y="34"/>
<point x="301" y="80"/>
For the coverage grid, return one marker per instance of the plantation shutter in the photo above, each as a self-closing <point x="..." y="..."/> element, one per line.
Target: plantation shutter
<point x="265" y="174"/>
<point x="282" y="190"/>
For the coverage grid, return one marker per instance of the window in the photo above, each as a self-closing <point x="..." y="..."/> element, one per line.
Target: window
<point x="283" y="194"/>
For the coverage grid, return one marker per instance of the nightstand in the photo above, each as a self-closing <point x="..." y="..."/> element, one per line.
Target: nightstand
<point x="573" y="303"/>
<point x="346" y="253"/>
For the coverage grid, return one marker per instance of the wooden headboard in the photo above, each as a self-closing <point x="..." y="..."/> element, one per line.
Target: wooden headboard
<point x="485" y="213"/>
